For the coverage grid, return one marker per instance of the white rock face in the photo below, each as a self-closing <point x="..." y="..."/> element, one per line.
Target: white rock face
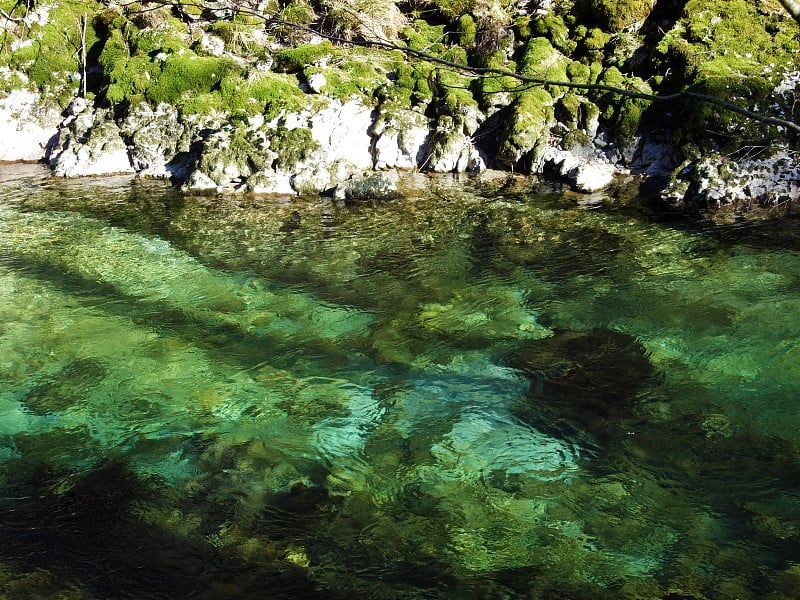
<point x="156" y="135"/>
<point x="593" y="176"/>
<point x="210" y="45"/>
<point x="89" y="143"/>
<point x="343" y="133"/>
<point x="317" y="82"/>
<point x="401" y="140"/>
<point x="26" y="126"/>
<point x="718" y="181"/>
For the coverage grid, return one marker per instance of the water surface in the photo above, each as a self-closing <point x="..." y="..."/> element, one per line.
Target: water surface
<point x="471" y="392"/>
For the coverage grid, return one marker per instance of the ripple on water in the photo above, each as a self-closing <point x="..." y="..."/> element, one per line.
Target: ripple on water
<point x="456" y="397"/>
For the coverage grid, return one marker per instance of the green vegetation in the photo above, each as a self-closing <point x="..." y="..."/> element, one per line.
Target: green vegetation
<point x="731" y="49"/>
<point x="291" y="145"/>
<point x="292" y="60"/>
<point x="47" y="52"/>
<point x="616" y="15"/>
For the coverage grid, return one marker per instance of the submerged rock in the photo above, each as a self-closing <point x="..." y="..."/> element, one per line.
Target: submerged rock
<point x="67" y="387"/>
<point x="367" y="186"/>
<point x="587" y="378"/>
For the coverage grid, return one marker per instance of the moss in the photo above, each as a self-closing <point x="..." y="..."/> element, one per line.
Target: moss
<point x="351" y="78"/>
<point x="456" y="54"/>
<point x="49" y="53"/>
<point x="271" y="87"/>
<point x="575" y="139"/>
<point x="455" y="93"/>
<point x="490" y="87"/>
<point x="570" y="109"/>
<point x="595" y="40"/>
<point x="524" y="27"/>
<point x="467" y="30"/>
<point x="554" y="29"/>
<point x="702" y="118"/>
<point x="531" y="113"/>
<point x="415" y="78"/>
<point x="129" y="79"/>
<point x="293" y="60"/>
<point x="298" y="12"/>
<point x="203" y="104"/>
<point x="291" y="145"/>
<point x="578" y="72"/>
<point x="541" y="60"/>
<point x="630" y="117"/>
<point x="616" y="15"/>
<point x="188" y="72"/>
<point x="732" y="49"/>
<point x="623" y="114"/>
<point x="114" y="55"/>
<point x="150" y="41"/>
<point x="425" y="37"/>
<point x="595" y="70"/>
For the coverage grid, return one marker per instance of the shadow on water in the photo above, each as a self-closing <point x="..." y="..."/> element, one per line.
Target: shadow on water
<point x="226" y="342"/>
<point x="88" y="529"/>
<point x="584" y="380"/>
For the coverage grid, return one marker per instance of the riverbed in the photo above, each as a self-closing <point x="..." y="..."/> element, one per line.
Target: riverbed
<point x="473" y="391"/>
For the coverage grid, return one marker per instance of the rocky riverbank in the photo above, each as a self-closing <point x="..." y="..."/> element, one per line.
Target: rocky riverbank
<point x="249" y="97"/>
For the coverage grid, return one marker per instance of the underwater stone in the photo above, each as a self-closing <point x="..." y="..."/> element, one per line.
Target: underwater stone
<point x="367" y="186"/>
<point x="67" y="387"/>
<point x="590" y="378"/>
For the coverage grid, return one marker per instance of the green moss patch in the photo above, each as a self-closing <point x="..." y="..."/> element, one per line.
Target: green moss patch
<point x="188" y="72"/>
<point x="48" y="54"/>
<point x="294" y="60"/>
<point x="616" y="15"/>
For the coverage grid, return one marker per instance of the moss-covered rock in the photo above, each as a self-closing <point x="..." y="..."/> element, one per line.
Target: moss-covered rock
<point x="617" y="15"/>
<point x="293" y="60"/>
<point x="531" y="115"/>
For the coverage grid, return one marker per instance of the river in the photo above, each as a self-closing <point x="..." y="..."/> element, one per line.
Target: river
<point x="457" y="394"/>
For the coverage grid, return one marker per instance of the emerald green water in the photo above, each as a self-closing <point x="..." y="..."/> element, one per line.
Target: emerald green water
<point x="460" y="394"/>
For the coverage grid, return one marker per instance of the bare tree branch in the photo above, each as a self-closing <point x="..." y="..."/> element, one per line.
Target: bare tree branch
<point x="8" y="17"/>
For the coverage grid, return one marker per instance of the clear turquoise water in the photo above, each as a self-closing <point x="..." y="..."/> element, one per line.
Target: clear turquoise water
<point x="461" y="394"/>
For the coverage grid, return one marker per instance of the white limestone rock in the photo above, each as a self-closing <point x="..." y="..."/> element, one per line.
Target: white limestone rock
<point x="156" y="136"/>
<point x="592" y="176"/>
<point x="400" y="139"/>
<point x="210" y="45"/>
<point x="27" y="126"/>
<point x="89" y="143"/>
<point x="317" y="82"/>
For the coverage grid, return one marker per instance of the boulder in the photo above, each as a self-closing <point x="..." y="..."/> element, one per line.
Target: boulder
<point x="89" y="142"/>
<point x="592" y="176"/>
<point x="589" y="379"/>
<point x="31" y="124"/>
<point x="400" y="138"/>
<point x="367" y="186"/>
<point x="156" y="136"/>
